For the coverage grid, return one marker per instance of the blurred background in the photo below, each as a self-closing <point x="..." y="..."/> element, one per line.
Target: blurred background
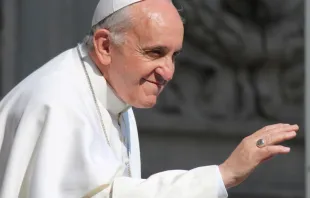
<point x="242" y="68"/>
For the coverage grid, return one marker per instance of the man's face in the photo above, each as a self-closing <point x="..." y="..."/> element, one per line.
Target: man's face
<point x="144" y="64"/>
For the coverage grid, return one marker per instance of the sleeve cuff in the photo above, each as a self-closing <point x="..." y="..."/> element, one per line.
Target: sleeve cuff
<point x="222" y="192"/>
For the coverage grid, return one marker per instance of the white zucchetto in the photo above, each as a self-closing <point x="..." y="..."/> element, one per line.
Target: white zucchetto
<point x="107" y="7"/>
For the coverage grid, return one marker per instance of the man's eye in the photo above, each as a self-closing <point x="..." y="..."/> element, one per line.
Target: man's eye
<point x="155" y="53"/>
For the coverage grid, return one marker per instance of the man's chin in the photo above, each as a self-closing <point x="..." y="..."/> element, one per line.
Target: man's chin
<point x="147" y="104"/>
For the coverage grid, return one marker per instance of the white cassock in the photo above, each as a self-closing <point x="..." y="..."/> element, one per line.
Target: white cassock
<point x="53" y="146"/>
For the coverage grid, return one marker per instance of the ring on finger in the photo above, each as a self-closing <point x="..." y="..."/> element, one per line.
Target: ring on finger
<point x="260" y="143"/>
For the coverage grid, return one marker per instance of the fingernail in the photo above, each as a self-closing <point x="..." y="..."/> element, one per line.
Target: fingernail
<point x="287" y="149"/>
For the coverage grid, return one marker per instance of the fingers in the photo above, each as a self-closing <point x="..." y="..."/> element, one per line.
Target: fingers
<point x="247" y="156"/>
<point x="276" y="138"/>
<point x="276" y="128"/>
<point x="270" y="151"/>
<point x="276" y="135"/>
<point x="270" y="127"/>
<point x="287" y="128"/>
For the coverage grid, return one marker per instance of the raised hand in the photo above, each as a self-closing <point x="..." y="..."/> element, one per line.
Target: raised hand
<point x="255" y="149"/>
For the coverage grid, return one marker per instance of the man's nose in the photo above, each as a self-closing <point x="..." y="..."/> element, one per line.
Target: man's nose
<point x="165" y="72"/>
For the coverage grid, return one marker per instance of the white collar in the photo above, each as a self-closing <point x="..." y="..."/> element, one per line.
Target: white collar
<point x="103" y="91"/>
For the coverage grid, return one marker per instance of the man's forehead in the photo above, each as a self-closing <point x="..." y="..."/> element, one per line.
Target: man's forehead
<point x="151" y="38"/>
<point x="157" y="31"/>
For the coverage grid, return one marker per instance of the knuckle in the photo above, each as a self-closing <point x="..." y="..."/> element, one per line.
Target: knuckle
<point x="245" y="140"/>
<point x="274" y="129"/>
<point x="269" y="139"/>
<point x="269" y="151"/>
<point x="282" y="138"/>
<point x="286" y="136"/>
<point x="279" y="126"/>
<point x="277" y="130"/>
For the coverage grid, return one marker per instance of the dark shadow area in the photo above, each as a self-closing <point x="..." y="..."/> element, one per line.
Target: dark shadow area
<point x="1" y="27"/>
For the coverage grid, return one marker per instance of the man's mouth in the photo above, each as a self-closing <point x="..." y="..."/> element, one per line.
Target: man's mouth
<point x="156" y="83"/>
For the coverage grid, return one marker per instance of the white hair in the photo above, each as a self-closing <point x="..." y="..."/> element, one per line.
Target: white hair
<point x="116" y="23"/>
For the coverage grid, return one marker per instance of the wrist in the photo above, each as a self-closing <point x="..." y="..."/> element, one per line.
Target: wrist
<point x="228" y="177"/>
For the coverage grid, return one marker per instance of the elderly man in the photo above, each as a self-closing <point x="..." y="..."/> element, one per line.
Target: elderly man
<point x="68" y="129"/>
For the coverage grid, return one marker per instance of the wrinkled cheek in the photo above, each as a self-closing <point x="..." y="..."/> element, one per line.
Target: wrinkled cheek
<point x="145" y="87"/>
<point x="146" y="90"/>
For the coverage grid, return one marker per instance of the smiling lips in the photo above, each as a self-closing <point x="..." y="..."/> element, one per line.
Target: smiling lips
<point x="162" y="83"/>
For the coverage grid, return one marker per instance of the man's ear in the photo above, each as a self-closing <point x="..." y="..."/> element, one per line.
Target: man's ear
<point x="102" y="44"/>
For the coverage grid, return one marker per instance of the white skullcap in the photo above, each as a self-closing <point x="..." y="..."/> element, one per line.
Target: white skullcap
<point x="108" y="7"/>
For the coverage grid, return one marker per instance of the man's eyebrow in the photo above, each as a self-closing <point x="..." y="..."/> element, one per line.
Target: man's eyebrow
<point x="158" y="47"/>
<point x="161" y="47"/>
